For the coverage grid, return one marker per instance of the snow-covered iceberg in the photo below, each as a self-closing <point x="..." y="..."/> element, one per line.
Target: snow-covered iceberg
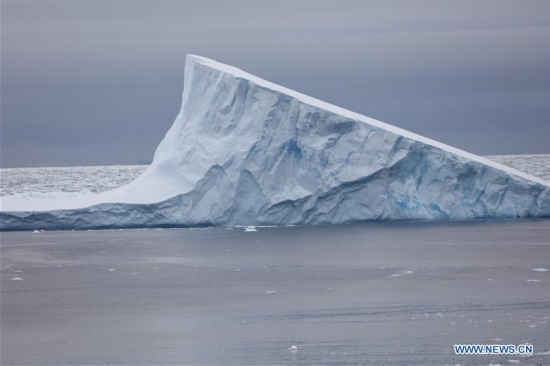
<point x="244" y="151"/>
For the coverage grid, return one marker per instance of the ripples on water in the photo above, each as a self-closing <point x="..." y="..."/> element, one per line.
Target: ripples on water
<point x="104" y="178"/>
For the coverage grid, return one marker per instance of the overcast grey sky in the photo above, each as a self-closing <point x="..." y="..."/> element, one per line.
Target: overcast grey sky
<point x="93" y="82"/>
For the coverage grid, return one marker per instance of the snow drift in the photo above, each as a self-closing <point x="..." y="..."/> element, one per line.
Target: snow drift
<point x="244" y="151"/>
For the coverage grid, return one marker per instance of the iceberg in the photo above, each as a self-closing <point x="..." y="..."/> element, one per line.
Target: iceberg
<point x="246" y="152"/>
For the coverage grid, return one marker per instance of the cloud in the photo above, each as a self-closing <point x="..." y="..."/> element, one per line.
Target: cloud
<point x="83" y="78"/>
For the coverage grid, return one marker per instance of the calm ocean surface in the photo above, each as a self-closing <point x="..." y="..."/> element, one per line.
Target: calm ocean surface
<point x="362" y="294"/>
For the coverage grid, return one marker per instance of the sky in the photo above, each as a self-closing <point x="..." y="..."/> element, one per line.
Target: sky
<point x="99" y="82"/>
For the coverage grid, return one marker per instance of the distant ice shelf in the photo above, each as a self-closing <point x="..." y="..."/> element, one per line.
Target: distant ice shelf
<point x="247" y="152"/>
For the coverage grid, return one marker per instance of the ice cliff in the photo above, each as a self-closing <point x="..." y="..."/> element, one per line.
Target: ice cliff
<point x="244" y="151"/>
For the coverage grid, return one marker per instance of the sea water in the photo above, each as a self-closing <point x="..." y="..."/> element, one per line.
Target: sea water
<point x="363" y="294"/>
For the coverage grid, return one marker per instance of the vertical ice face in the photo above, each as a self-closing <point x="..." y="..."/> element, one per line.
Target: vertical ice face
<point x="244" y="151"/>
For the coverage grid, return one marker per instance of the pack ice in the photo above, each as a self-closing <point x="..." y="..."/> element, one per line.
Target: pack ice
<point x="244" y="151"/>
